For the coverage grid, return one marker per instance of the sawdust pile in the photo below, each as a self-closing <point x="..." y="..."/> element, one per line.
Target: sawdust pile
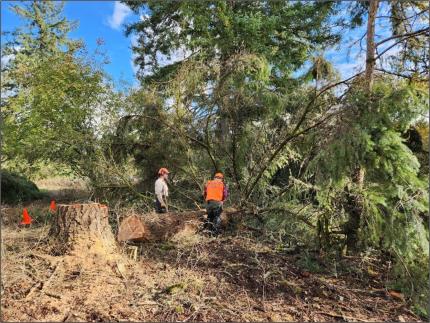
<point x="82" y="267"/>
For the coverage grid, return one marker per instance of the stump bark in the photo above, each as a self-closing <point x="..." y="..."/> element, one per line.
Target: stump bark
<point x="83" y="228"/>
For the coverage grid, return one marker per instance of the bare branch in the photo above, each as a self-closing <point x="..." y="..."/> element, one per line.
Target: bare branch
<point x="404" y="36"/>
<point x="398" y="42"/>
<point x="393" y="73"/>
<point x="295" y="133"/>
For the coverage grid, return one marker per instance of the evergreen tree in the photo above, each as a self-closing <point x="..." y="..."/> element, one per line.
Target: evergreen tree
<point x="49" y="90"/>
<point x="238" y="72"/>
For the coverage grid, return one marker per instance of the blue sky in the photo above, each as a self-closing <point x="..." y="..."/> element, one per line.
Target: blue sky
<point x="106" y="19"/>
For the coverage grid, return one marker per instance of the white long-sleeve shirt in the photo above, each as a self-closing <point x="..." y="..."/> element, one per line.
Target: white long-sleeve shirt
<point x="161" y="189"/>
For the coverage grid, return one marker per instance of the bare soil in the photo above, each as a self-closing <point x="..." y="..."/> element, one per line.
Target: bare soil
<point x="191" y="277"/>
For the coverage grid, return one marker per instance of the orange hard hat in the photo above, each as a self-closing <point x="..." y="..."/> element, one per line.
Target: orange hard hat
<point x="219" y="175"/>
<point x="163" y="171"/>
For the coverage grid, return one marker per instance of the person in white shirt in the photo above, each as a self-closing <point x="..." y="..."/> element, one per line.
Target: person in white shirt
<point x="161" y="191"/>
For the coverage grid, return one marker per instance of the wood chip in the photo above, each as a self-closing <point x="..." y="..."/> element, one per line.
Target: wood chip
<point x="397" y="295"/>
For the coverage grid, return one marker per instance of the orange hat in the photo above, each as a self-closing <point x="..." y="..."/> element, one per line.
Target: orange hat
<point x="219" y="175"/>
<point x="163" y="171"/>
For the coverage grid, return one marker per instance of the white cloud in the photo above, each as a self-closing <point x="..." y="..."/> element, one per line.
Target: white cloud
<point x="347" y="70"/>
<point x="6" y="59"/>
<point x="176" y="55"/>
<point x="144" y="17"/>
<point x="134" y="67"/>
<point x="352" y="65"/>
<point x="120" y="12"/>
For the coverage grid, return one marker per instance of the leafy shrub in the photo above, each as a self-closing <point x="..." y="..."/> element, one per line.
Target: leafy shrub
<point x="16" y="188"/>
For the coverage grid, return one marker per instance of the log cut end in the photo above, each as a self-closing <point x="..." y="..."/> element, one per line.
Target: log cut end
<point x="131" y="228"/>
<point x="158" y="227"/>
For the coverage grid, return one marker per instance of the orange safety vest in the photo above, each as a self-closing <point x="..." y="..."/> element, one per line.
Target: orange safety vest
<point x="214" y="190"/>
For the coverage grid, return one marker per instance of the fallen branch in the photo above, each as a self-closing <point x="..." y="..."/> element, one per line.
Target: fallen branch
<point x="48" y="258"/>
<point x="42" y="285"/>
<point x="52" y="295"/>
<point x="38" y="285"/>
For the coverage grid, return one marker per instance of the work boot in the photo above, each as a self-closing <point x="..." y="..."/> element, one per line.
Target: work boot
<point x="207" y="228"/>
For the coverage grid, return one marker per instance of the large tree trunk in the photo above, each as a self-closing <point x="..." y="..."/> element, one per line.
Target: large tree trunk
<point x="83" y="228"/>
<point x="357" y="201"/>
<point x="86" y="258"/>
<point x="370" y="46"/>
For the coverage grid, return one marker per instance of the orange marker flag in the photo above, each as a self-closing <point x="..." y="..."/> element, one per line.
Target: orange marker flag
<point x="26" y="218"/>
<point x="53" y="206"/>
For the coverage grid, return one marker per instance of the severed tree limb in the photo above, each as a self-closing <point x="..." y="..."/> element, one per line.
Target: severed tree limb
<point x="42" y="285"/>
<point x="36" y="286"/>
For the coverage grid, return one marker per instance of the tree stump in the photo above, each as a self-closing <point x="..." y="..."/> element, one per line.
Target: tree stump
<point x="82" y="238"/>
<point x="83" y="228"/>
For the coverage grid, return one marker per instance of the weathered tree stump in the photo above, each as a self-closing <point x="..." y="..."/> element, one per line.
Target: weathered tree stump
<point x="83" y="228"/>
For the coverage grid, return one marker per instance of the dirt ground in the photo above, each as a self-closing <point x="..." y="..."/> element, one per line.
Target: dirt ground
<point x="235" y="277"/>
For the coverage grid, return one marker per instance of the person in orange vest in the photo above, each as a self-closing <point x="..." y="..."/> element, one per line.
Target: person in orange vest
<point x="161" y="191"/>
<point x="215" y="194"/>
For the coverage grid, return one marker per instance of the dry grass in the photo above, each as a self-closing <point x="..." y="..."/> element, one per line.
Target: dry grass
<point x="56" y="183"/>
<point x="192" y="277"/>
<point x="64" y="189"/>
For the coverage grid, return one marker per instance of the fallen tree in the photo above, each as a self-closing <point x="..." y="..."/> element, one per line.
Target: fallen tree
<point x="159" y="227"/>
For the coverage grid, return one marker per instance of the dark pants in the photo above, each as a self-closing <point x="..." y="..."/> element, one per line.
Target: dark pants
<point x="214" y="209"/>
<point x="158" y="207"/>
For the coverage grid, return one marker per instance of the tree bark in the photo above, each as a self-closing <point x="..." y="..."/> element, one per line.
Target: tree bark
<point x="370" y="47"/>
<point x="356" y="200"/>
<point x="83" y="228"/>
<point x="160" y="227"/>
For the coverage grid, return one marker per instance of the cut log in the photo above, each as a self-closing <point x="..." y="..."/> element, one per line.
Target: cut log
<point x="83" y="228"/>
<point x="132" y="229"/>
<point x="159" y="227"/>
